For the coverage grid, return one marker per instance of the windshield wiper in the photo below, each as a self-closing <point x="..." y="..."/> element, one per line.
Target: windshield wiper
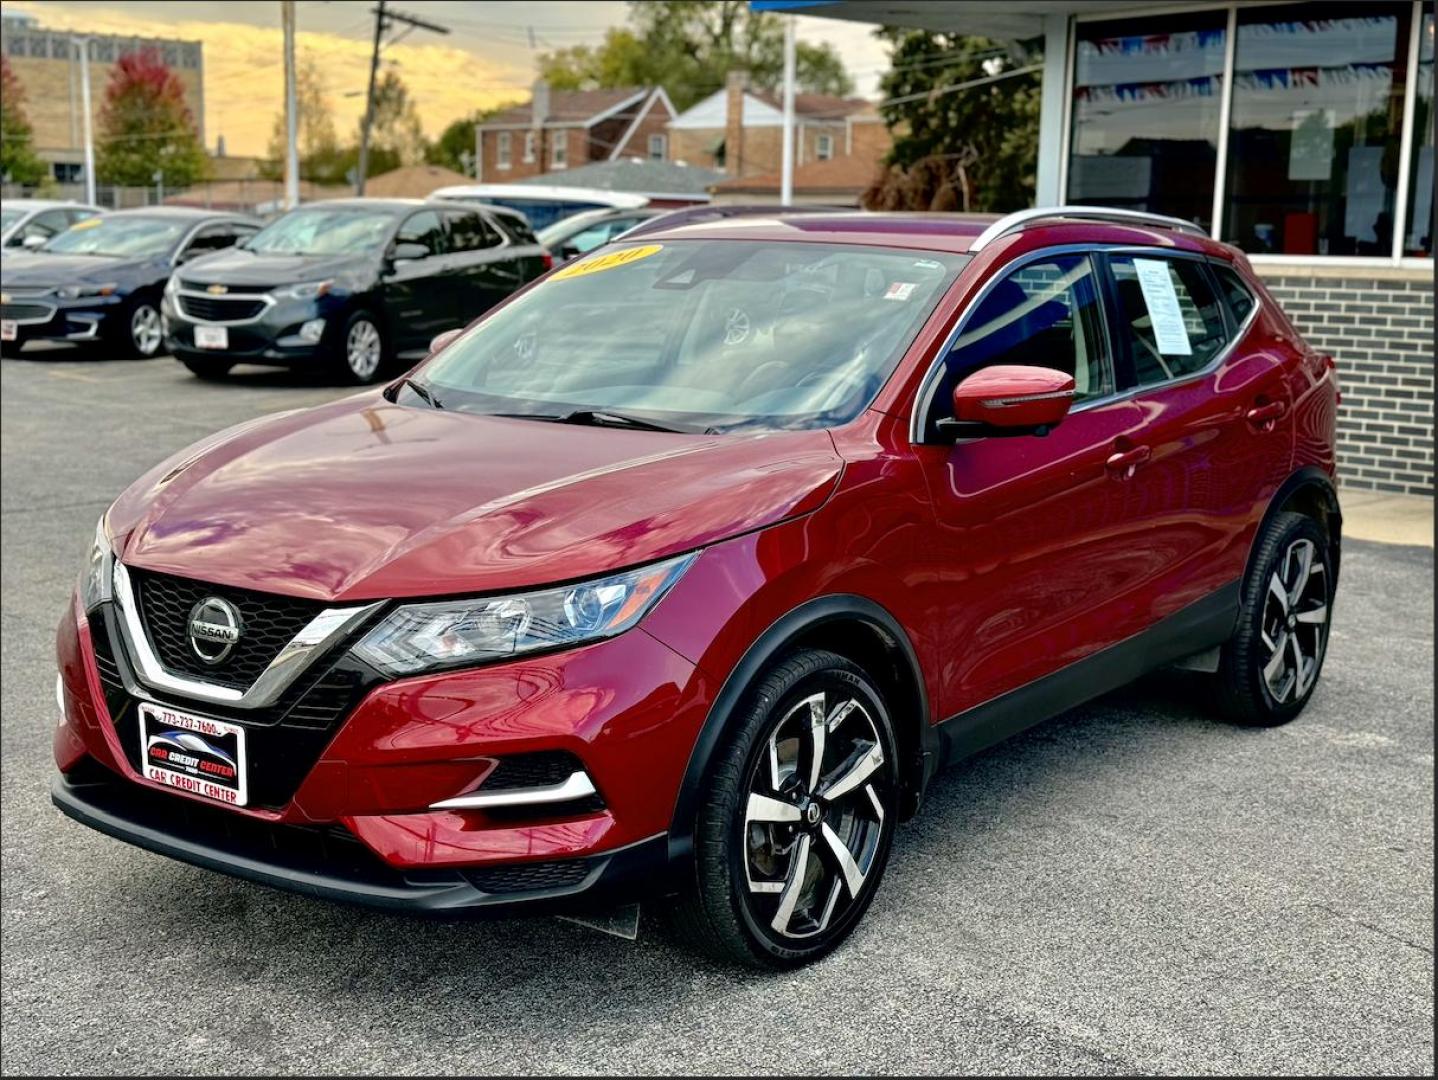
<point x="420" y="392"/>
<point x="594" y="418"/>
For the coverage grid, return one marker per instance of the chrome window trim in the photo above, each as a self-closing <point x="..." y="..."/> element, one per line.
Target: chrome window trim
<point x="268" y="301"/>
<point x="923" y="400"/>
<point x="576" y="786"/>
<point x="313" y="641"/>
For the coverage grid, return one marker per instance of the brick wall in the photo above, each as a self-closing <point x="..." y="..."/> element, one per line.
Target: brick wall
<point x="1379" y="327"/>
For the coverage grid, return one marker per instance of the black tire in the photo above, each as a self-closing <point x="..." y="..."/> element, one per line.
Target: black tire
<point x="720" y="910"/>
<point x="11" y="349"/>
<point x="345" y="365"/>
<point x="136" y="331"/>
<point x="1254" y="685"/>
<point x="204" y="367"/>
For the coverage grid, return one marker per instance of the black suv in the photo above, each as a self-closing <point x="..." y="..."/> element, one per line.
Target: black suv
<point x="349" y="284"/>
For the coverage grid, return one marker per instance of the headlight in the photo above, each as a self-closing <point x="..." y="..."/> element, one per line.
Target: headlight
<point x="307" y="290"/>
<point x="421" y="637"/>
<point x="74" y="292"/>
<point x="95" y="578"/>
<point x="172" y="284"/>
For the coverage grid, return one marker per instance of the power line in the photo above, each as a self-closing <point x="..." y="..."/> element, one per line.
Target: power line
<point x="384" y="21"/>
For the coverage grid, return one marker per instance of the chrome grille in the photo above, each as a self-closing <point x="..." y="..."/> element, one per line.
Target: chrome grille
<point x="219" y="308"/>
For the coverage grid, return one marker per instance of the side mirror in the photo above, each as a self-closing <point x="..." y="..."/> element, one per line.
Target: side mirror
<point x="439" y="341"/>
<point x="407" y="251"/>
<point x="569" y="251"/>
<point x="1009" y="399"/>
<point x="34" y="242"/>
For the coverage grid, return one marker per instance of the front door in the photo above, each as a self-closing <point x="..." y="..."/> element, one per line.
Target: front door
<point x="418" y="295"/>
<point x="1037" y="550"/>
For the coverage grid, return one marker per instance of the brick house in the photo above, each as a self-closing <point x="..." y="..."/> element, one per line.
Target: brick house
<point x="740" y="130"/>
<point x="560" y="129"/>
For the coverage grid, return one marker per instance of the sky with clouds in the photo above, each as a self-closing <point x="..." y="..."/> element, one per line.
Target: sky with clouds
<point x="486" y="59"/>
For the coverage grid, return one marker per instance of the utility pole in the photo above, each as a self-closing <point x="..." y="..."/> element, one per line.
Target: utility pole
<point x="786" y="175"/>
<point x="89" y="135"/>
<point x="292" y="118"/>
<point x="383" y="20"/>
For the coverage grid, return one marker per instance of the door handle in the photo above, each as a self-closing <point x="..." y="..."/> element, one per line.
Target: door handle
<point x="1125" y="463"/>
<point x="1265" y="417"/>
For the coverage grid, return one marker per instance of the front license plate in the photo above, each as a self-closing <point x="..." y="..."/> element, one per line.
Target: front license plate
<point x="194" y="753"/>
<point x="8" y="330"/>
<point x="212" y="337"/>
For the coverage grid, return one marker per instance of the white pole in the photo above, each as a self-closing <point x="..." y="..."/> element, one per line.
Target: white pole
<point x="292" y="119"/>
<point x="87" y="133"/>
<point x="786" y="188"/>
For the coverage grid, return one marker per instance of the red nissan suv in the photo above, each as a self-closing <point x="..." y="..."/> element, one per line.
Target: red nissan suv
<point x="681" y="573"/>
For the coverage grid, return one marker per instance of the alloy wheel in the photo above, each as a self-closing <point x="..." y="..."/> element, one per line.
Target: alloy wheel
<point x="814" y="815"/>
<point x="145" y="330"/>
<point x="363" y="349"/>
<point x="1295" y="622"/>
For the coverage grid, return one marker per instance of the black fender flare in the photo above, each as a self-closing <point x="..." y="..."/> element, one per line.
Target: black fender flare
<point x="1312" y="477"/>
<point x="780" y="636"/>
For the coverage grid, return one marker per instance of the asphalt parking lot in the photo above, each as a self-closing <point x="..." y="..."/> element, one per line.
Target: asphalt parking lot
<point x="1132" y="888"/>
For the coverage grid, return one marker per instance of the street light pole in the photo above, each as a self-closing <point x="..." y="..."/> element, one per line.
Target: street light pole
<point x="84" y="45"/>
<point x="292" y="120"/>
<point x="786" y="176"/>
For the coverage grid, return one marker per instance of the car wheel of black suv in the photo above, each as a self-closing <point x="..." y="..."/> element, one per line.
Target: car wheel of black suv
<point x="11" y="349"/>
<point x="1268" y="669"/>
<point x="796" y="821"/>
<point x="360" y="350"/>
<point x="138" y="331"/>
<point x="205" y="367"/>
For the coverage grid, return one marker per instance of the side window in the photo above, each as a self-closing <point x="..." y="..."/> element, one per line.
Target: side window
<point x="470" y="232"/>
<point x="45" y="225"/>
<point x="79" y="215"/>
<point x="1240" y="297"/>
<point x="1169" y="315"/>
<point x="211" y="238"/>
<point x="423" y="228"/>
<point x="1044" y="314"/>
<point x="590" y="238"/>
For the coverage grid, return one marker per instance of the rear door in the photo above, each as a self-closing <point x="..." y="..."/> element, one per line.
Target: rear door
<point x="483" y="269"/>
<point x="418" y="294"/>
<point x="1217" y="440"/>
<point x="1036" y="552"/>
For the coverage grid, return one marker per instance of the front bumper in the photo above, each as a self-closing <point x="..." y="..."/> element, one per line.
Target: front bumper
<point x="50" y="318"/>
<point x="330" y="864"/>
<point x="273" y="337"/>
<point x="359" y="822"/>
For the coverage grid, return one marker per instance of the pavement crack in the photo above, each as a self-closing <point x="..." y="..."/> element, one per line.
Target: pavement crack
<point x="1376" y="929"/>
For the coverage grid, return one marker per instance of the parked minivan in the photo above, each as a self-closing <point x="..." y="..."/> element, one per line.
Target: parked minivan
<point x="348" y="285"/>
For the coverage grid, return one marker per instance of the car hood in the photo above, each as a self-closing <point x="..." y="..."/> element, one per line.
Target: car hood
<point x="237" y="266"/>
<point x="44" y="268"/>
<point x="362" y="499"/>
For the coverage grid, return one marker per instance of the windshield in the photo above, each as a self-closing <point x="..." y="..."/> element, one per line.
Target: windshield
<point x="128" y="235"/>
<point x="700" y="335"/>
<point x="319" y="230"/>
<point x="10" y="217"/>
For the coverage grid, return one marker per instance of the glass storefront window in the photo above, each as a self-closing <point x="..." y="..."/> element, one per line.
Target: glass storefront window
<point x="1419" y="234"/>
<point x="1147" y="93"/>
<point x="1316" y="128"/>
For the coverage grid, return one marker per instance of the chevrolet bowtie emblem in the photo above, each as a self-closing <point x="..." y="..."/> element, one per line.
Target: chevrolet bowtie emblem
<point x="216" y="290"/>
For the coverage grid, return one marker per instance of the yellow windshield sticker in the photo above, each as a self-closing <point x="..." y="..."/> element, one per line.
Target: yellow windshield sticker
<point x="611" y="260"/>
<point x="88" y="223"/>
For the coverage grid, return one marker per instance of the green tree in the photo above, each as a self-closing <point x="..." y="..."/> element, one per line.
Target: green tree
<point x="319" y="148"/>
<point x="18" y="161"/>
<point x="974" y="148"/>
<point x="396" y="133"/>
<point x="146" y="127"/>
<point x="688" y="47"/>
<point x="454" y="149"/>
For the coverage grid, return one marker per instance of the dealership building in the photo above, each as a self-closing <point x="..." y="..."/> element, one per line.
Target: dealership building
<point x="1302" y="133"/>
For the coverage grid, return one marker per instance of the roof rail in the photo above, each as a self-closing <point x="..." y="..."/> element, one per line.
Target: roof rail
<point x="1023" y="218"/>
<point x="690" y="215"/>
